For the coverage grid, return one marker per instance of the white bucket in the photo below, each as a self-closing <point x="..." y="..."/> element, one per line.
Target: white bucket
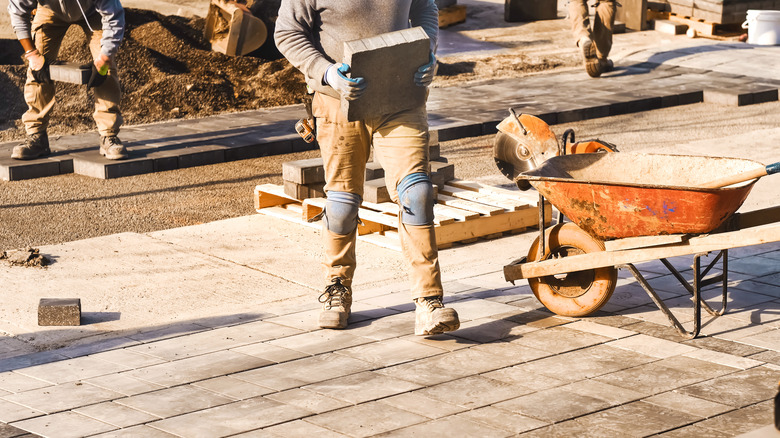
<point x="763" y="27"/>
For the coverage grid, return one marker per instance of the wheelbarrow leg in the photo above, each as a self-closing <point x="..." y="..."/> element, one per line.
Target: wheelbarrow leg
<point x="699" y="278"/>
<point x="661" y="306"/>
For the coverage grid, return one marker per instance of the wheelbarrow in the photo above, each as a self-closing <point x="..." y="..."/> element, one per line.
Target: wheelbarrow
<point x="627" y="208"/>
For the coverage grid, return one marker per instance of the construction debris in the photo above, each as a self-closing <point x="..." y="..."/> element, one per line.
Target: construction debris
<point x="30" y="257"/>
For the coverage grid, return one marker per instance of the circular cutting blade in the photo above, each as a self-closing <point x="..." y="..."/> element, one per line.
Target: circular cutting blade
<point x="507" y="158"/>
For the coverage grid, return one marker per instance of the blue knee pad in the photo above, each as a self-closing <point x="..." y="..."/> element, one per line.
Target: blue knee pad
<point x="341" y="212"/>
<point x="415" y="192"/>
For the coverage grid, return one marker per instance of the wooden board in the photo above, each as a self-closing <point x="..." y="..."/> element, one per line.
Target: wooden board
<point x="479" y="213"/>
<point x="451" y="15"/>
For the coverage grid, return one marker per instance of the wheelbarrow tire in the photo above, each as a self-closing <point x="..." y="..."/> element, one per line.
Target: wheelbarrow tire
<point x="575" y="293"/>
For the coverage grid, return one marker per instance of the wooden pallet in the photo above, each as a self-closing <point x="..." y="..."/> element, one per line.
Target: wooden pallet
<point x="464" y="212"/>
<point x="451" y="15"/>
<point x="702" y="28"/>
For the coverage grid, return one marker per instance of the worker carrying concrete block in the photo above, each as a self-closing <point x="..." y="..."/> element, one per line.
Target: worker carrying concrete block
<point x="594" y="43"/>
<point x="40" y="27"/>
<point x="312" y="35"/>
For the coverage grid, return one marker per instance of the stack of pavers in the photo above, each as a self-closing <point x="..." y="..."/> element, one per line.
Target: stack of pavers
<point x="305" y="179"/>
<point x="720" y="11"/>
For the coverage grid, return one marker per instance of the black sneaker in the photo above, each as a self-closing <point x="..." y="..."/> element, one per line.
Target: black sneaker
<point x="35" y="146"/>
<point x="336" y="305"/>
<point x="112" y="148"/>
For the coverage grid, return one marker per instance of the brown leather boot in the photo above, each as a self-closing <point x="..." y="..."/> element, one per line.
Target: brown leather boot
<point x="588" y="49"/>
<point x="432" y="318"/>
<point x="336" y="305"/>
<point x="112" y="148"/>
<point x="35" y="146"/>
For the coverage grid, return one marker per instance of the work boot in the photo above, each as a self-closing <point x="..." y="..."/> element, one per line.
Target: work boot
<point x="606" y="64"/>
<point x="36" y="145"/>
<point x="588" y="49"/>
<point x="112" y="148"/>
<point x="336" y="305"/>
<point x="432" y="318"/>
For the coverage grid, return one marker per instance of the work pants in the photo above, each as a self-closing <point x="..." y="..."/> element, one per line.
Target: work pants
<point x="601" y="34"/>
<point x="400" y="142"/>
<point x="48" y="32"/>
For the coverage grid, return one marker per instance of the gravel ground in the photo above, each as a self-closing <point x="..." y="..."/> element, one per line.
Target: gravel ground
<point x="71" y="207"/>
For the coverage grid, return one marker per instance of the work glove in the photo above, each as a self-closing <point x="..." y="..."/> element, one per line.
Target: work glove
<point x="348" y="88"/>
<point x="99" y="71"/>
<point x="38" y="67"/>
<point x="424" y="75"/>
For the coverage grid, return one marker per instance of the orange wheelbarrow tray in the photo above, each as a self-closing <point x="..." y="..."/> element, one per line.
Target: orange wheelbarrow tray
<point x="631" y="208"/>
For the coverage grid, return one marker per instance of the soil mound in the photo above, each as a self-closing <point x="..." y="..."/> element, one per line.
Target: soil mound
<point x="167" y="70"/>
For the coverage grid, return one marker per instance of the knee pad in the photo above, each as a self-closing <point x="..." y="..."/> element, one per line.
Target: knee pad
<point x="415" y="193"/>
<point x="341" y="212"/>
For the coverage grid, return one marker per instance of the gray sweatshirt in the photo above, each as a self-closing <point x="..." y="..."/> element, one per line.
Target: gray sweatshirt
<point x="311" y="33"/>
<point x="68" y="11"/>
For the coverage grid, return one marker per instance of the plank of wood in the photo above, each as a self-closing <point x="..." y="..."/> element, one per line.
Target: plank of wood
<point x="288" y="215"/>
<point x="456" y="214"/>
<point x="485" y="225"/>
<point x="386" y="240"/>
<point x="712" y="242"/>
<point x="482" y="198"/>
<point x="452" y="15"/>
<point x="485" y="209"/>
<point x="270" y="195"/>
<point x="530" y="198"/>
<point x="643" y="241"/>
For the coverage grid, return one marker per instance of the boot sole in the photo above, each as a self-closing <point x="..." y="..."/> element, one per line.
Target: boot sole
<point x="592" y="65"/>
<point x="439" y="327"/>
<point x="22" y="157"/>
<point x="113" y="157"/>
<point x="336" y="320"/>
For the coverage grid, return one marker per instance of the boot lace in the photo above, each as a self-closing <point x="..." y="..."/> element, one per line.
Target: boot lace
<point x="334" y="294"/>
<point x="431" y="303"/>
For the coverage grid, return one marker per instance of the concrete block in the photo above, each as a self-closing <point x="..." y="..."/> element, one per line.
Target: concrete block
<point x="260" y="149"/>
<point x="304" y="191"/>
<point x="619" y="27"/>
<point x="59" y="311"/>
<point x="375" y="191"/>
<point x="201" y="156"/>
<point x="434" y="152"/>
<point x="530" y="10"/>
<point x="92" y="164"/>
<point x="304" y="171"/>
<point x="70" y="72"/>
<point x="374" y="171"/>
<point x="387" y="62"/>
<point x="633" y="13"/>
<point x="433" y="138"/>
<point x="442" y="172"/>
<point x="16" y="170"/>
<point x="669" y="27"/>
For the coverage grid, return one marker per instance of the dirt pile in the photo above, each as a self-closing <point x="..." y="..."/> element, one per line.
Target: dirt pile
<point x="167" y="70"/>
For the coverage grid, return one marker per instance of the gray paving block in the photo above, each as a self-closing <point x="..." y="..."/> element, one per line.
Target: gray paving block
<point x="374" y="170"/>
<point x="434" y="151"/>
<point x="306" y="171"/>
<point x="669" y="27"/>
<point x="70" y="72"/>
<point x="304" y="191"/>
<point x="244" y="152"/>
<point x="201" y="156"/>
<point x="442" y="172"/>
<point x="388" y="63"/>
<point x="16" y="170"/>
<point x="375" y="191"/>
<point x="633" y="13"/>
<point x="59" y="311"/>
<point x="92" y="164"/>
<point x="727" y="97"/>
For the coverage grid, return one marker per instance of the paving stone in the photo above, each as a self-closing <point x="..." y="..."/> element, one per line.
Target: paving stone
<point x="376" y="191"/>
<point x="626" y="421"/>
<point x="27" y="360"/>
<point x="136" y="431"/>
<point x="433" y="408"/>
<point x="367" y="419"/>
<point x="270" y="352"/>
<point x="651" y="346"/>
<point x="67" y="424"/>
<point x="62" y="397"/>
<point x="391" y="352"/>
<point x="600" y="329"/>
<point x="8" y="431"/>
<point x="59" y="312"/>
<point x="99" y="167"/>
<point x="321" y="341"/>
<point x="695" y="430"/>
<point x="744" y="420"/>
<point x="386" y="62"/>
<point x="586" y="363"/>
<point x="393" y="326"/>
<point x="559" y="339"/>
<point x="127" y="358"/>
<point x="440" y="369"/>
<point x="309" y="399"/>
<point x="553" y="405"/>
<point x="772" y="357"/>
<point x="230" y="419"/>
<point x="687" y="404"/>
<point x="233" y="388"/>
<point x="72" y="370"/>
<point x="737" y="389"/>
<point x="306" y="171"/>
<point x="300" y="372"/>
<point x="669" y="27"/>
<point x="196" y="368"/>
<point x="501" y="419"/>
<point x="569" y="428"/>
<point x="17" y="170"/>
<point x="374" y="170"/>
<point x="123" y="384"/>
<point x="174" y="401"/>
<point x="15" y="382"/>
<point x="115" y="414"/>
<point x="724" y="359"/>
<point x="362" y="387"/>
<point x="489" y="330"/>
<point x="293" y="429"/>
<point x="474" y="391"/>
<point x="10" y="412"/>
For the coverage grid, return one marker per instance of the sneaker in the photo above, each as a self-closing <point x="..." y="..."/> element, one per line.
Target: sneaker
<point x="432" y="318"/>
<point x="588" y="49"/>
<point x="36" y="145"/>
<point x="336" y="305"/>
<point x="112" y="148"/>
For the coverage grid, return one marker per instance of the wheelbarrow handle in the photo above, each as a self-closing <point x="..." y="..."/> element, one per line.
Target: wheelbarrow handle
<point x="744" y="176"/>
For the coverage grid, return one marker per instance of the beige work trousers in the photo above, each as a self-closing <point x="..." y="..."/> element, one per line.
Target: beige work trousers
<point x="400" y="143"/>
<point x="48" y="33"/>
<point x="601" y="34"/>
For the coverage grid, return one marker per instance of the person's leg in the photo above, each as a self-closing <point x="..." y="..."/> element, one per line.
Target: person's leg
<point x="108" y="95"/>
<point x="47" y="35"/>
<point x="602" y="32"/>
<point x="345" y="148"/>
<point x="579" y="17"/>
<point x="401" y="147"/>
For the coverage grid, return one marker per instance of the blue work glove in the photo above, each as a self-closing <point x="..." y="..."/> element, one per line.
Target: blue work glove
<point x="424" y="75"/>
<point x="348" y="88"/>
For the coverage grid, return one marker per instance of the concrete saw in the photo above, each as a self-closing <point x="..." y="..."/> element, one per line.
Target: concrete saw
<point x="523" y="142"/>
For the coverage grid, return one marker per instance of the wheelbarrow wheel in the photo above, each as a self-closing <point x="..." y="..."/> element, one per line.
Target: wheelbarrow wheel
<point x="575" y="293"/>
